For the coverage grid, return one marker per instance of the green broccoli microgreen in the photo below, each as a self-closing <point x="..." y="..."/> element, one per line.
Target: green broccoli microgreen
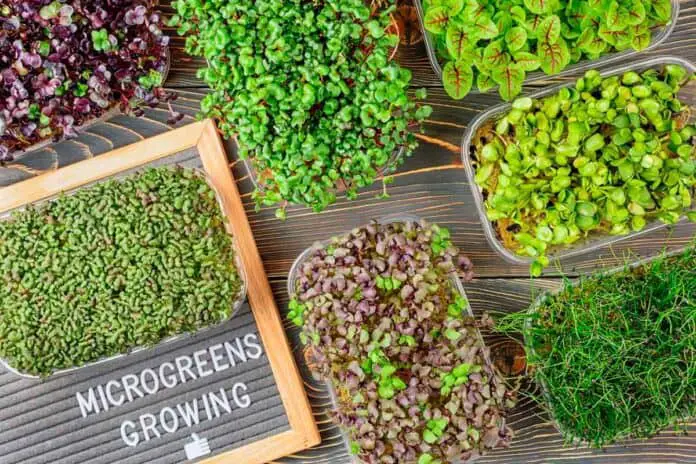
<point x="309" y="90"/>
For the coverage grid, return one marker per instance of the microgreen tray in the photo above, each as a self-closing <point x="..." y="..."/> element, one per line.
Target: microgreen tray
<point x="292" y="278"/>
<point x="108" y="114"/>
<point x="541" y="299"/>
<point x="595" y="240"/>
<point x="659" y="35"/>
<point x="171" y="162"/>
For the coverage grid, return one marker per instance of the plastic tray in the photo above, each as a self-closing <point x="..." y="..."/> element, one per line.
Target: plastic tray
<point x="594" y="241"/>
<point x="108" y="114"/>
<point x="167" y="162"/>
<point x="658" y="36"/>
<point x="541" y="299"/>
<point x="293" y="275"/>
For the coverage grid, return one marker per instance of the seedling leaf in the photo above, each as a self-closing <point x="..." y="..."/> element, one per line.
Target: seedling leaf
<point x="484" y="82"/>
<point x="527" y="61"/>
<point x="453" y="7"/>
<point x="459" y="40"/>
<point x="554" y="57"/>
<point x="636" y="13"/>
<point x="539" y="7"/>
<point x="509" y="80"/>
<point x="457" y="79"/>
<point x="494" y="55"/>
<point x="640" y="42"/>
<point x="436" y="20"/>
<point x="485" y="28"/>
<point x="549" y="29"/>
<point x="591" y="43"/>
<point x="515" y="38"/>
<point x="662" y="9"/>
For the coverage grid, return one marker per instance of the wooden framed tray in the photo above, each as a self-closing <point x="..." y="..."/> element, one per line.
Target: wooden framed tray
<point x="72" y="418"/>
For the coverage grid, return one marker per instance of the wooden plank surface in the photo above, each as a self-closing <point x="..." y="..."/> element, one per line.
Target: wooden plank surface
<point x="431" y="184"/>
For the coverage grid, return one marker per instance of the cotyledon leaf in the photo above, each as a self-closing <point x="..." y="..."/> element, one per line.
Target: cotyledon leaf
<point x="616" y="38"/>
<point x="454" y="7"/>
<point x="457" y="78"/>
<point x="549" y="29"/>
<point x="484" y="82"/>
<point x="515" y="38"/>
<point x="590" y="42"/>
<point x="436" y="20"/>
<point x="485" y="28"/>
<point x="518" y="14"/>
<point x="615" y="17"/>
<point x="473" y="10"/>
<point x="459" y="40"/>
<point x="636" y="13"/>
<point x="509" y="80"/>
<point x="539" y="7"/>
<point x="532" y="25"/>
<point x="494" y="55"/>
<point x="640" y="42"/>
<point x="527" y="61"/>
<point x="663" y="9"/>
<point x="554" y="57"/>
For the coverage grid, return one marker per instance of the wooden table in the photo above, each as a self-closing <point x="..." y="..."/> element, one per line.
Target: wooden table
<point x="430" y="184"/>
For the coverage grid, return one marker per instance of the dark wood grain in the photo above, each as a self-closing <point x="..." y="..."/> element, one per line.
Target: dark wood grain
<point x="431" y="184"/>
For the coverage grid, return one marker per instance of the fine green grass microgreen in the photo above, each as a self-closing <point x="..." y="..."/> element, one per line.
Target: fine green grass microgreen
<point x="616" y="353"/>
<point x="606" y="156"/>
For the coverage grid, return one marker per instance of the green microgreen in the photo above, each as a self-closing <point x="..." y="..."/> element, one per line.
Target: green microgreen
<point x="434" y="429"/>
<point x="427" y="458"/>
<point x="496" y="42"/>
<point x="606" y="156"/>
<point x="122" y="264"/>
<point x="309" y="90"/>
<point x="616" y="353"/>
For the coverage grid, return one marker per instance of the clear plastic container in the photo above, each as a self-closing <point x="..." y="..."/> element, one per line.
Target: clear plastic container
<point x="541" y="299"/>
<point x="596" y="240"/>
<point x="658" y="36"/>
<point x="293" y="276"/>
<point x="108" y="114"/>
<point x="166" y="162"/>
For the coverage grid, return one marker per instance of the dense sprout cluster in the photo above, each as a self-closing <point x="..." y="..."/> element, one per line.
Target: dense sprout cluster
<point x="387" y="326"/>
<point x="607" y="155"/>
<point x="65" y="62"/>
<point x="496" y="42"/>
<point x="119" y="265"/>
<point x="308" y="89"/>
<point x="616" y="354"/>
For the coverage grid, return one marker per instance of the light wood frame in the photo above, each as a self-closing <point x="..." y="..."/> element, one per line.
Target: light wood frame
<point x="203" y="135"/>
